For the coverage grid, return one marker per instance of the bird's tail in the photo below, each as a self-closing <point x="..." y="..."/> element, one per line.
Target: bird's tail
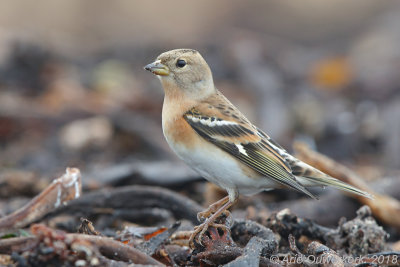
<point x="325" y="180"/>
<point x="309" y="176"/>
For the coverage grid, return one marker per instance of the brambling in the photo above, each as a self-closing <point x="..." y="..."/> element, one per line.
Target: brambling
<point x="214" y="138"/>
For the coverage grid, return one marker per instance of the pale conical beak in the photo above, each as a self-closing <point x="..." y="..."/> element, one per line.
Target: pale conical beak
<point x="157" y="68"/>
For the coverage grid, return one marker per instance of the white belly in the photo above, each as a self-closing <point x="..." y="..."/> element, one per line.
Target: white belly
<point x="218" y="167"/>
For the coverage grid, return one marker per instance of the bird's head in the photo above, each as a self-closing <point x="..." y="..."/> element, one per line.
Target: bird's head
<point x="184" y="70"/>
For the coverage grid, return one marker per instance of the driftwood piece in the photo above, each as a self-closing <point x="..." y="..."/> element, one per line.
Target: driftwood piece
<point x="385" y="208"/>
<point x="133" y="198"/>
<point x="58" y="193"/>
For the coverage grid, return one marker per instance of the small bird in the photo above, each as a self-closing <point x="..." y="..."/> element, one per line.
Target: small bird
<point x="214" y="138"/>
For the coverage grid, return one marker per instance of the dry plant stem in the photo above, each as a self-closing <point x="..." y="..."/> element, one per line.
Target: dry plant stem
<point x="385" y="208"/>
<point x="58" y="193"/>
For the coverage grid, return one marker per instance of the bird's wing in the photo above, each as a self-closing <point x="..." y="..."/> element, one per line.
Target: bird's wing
<point x="219" y="122"/>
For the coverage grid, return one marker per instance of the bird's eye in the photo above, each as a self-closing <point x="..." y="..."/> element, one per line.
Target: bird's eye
<point x="181" y="63"/>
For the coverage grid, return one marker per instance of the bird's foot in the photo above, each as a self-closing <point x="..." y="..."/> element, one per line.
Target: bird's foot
<point x="217" y="215"/>
<point x="203" y="215"/>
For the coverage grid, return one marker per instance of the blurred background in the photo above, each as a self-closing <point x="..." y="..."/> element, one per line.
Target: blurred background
<point x="73" y="91"/>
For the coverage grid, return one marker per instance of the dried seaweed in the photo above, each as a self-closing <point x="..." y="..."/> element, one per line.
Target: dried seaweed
<point x="269" y="239"/>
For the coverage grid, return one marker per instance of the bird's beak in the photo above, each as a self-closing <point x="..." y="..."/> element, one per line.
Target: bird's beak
<point x="157" y="68"/>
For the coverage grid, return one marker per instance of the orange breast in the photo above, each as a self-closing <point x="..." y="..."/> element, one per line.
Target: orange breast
<point x="180" y="132"/>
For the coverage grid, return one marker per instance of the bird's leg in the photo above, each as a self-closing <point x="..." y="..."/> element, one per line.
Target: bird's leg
<point x="201" y="216"/>
<point x="202" y="228"/>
